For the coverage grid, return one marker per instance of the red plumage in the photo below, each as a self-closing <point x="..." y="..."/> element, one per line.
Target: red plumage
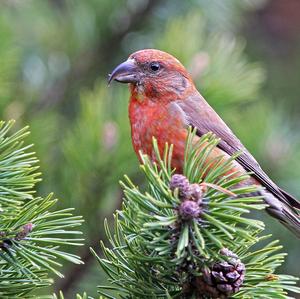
<point x="164" y="102"/>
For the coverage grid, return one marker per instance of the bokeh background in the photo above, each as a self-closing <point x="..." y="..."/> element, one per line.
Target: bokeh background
<point x="55" y="55"/>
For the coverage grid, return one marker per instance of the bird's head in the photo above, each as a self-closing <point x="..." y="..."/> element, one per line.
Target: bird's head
<point x="153" y="74"/>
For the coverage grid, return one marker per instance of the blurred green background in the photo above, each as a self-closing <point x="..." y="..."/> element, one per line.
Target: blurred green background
<point x="55" y="55"/>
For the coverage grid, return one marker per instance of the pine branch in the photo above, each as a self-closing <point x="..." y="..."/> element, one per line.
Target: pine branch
<point x="78" y="296"/>
<point x="31" y="232"/>
<point x="186" y="236"/>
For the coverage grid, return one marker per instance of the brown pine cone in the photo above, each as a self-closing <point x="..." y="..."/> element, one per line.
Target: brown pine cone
<point x="222" y="279"/>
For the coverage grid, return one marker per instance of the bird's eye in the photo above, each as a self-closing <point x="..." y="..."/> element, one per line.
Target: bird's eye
<point x="154" y="66"/>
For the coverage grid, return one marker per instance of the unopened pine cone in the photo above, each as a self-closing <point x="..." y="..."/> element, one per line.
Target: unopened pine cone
<point x="181" y="182"/>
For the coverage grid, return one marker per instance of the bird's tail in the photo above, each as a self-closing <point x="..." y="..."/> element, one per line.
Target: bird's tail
<point x="287" y="215"/>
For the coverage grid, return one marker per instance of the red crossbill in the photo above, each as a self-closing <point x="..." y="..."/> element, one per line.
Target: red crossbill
<point x="164" y="102"/>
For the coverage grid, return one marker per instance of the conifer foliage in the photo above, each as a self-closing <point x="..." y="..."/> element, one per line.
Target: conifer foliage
<point x="31" y="231"/>
<point x="186" y="236"/>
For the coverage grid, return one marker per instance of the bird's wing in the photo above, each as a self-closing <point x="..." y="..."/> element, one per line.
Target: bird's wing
<point x="200" y="115"/>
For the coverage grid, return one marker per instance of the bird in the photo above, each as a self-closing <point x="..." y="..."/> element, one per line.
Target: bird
<point x="164" y="103"/>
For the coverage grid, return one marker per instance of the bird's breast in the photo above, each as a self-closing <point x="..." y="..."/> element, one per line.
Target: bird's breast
<point x="167" y="125"/>
<point x="149" y="119"/>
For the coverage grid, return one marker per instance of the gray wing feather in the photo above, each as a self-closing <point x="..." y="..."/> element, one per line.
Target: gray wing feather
<point x="201" y="116"/>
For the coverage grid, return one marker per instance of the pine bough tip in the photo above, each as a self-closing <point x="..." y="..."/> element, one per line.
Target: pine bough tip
<point x="186" y="236"/>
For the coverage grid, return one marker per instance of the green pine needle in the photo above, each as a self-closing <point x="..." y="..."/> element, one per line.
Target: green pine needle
<point x="32" y="232"/>
<point x="151" y="246"/>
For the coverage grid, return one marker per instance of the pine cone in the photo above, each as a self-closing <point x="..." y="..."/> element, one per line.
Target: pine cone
<point x="181" y="182"/>
<point x="195" y="192"/>
<point x="189" y="209"/>
<point x="222" y="279"/>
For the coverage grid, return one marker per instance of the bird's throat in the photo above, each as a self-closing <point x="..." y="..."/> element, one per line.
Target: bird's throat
<point x="137" y="92"/>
